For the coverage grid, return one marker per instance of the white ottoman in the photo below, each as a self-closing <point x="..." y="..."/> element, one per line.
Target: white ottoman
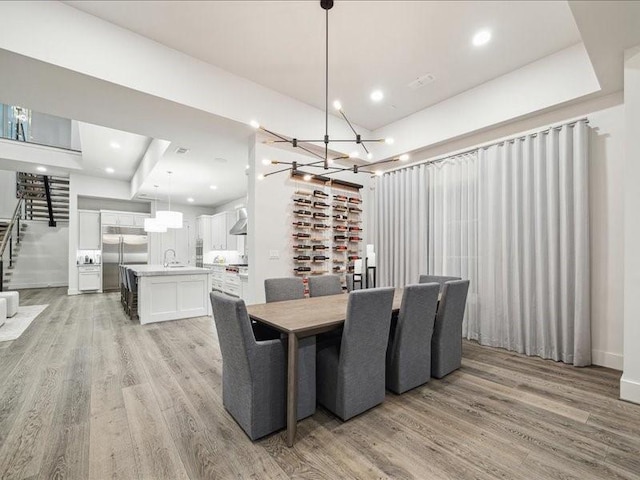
<point x="13" y="300"/>
<point x="3" y="311"/>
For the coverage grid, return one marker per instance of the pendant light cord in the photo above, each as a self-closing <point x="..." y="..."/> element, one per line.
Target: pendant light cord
<point x="326" y="91"/>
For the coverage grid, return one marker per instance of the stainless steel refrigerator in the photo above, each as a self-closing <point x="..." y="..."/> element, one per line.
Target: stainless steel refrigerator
<point x="121" y="246"/>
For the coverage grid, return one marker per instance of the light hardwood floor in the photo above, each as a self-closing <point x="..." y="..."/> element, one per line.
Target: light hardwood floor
<point x="86" y="393"/>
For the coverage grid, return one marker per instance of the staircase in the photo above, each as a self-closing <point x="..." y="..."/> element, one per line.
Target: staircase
<point x="45" y="197"/>
<point x="12" y="252"/>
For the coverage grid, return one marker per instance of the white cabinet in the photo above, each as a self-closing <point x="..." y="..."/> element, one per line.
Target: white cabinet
<point x="203" y="232"/>
<point x="138" y="220"/>
<point x="232" y="240"/>
<point x="89" y="278"/>
<point x="219" y="231"/>
<point x="123" y="219"/>
<point x="88" y="230"/>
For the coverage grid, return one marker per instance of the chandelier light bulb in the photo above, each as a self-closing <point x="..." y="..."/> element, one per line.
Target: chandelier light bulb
<point x="306" y="177"/>
<point x="266" y="161"/>
<point x="388" y="141"/>
<point x="261" y="177"/>
<point x="354" y="154"/>
<point x="254" y="124"/>
<point x="404" y="157"/>
<point x="337" y="105"/>
<point x="369" y="156"/>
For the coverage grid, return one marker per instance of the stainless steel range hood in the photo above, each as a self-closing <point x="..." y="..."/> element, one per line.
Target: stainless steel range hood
<point x="240" y="227"/>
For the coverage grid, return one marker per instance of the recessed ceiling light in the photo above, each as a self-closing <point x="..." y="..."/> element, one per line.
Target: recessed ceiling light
<point x="190" y="200"/>
<point x="481" y="38"/>
<point x="109" y="170"/>
<point x="404" y="157"/>
<point x="41" y="169"/>
<point x="213" y="187"/>
<point x="115" y="145"/>
<point x="182" y="150"/>
<point x="377" y="95"/>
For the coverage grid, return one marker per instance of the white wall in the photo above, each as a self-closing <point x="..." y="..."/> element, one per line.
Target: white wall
<point x="270" y="217"/>
<point x="42" y="260"/>
<point x="606" y="203"/>
<point x="630" y="382"/>
<point x="8" y="198"/>
<point x="232" y="205"/>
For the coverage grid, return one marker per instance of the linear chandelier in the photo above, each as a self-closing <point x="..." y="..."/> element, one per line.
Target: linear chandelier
<point x="324" y="161"/>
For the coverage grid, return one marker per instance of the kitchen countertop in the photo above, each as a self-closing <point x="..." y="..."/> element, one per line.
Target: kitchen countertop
<point x="160" y="270"/>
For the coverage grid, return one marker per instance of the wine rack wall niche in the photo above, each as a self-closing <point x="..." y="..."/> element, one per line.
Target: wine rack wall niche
<point x="327" y="228"/>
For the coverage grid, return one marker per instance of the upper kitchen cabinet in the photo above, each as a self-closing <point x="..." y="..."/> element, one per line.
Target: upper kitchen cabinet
<point x="219" y="231"/>
<point x="88" y="230"/>
<point x="123" y="219"/>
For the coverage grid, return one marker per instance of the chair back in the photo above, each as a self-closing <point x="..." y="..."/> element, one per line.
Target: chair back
<point x="415" y="324"/>
<point x="281" y="289"/>
<point x="446" y="342"/>
<point x="234" y="335"/>
<point x="437" y="279"/>
<point x="365" y="335"/>
<point x="131" y="280"/>
<point x="323" y="285"/>
<point x="349" y="277"/>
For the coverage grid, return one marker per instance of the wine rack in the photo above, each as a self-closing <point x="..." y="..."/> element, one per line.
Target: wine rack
<point x="327" y="228"/>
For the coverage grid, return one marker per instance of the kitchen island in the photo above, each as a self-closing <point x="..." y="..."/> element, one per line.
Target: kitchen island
<point x="172" y="293"/>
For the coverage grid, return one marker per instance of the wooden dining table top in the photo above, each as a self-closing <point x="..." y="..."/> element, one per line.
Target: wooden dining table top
<point x="308" y="315"/>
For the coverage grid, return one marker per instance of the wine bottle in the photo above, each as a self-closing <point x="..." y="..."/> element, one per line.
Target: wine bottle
<point x="354" y="200"/>
<point x="302" y="257"/>
<point x="340" y="198"/>
<point x="302" y="201"/>
<point x="354" y="210"/>
<point x="320" y="194"/>
<point x="340" y="218"/>
<point x="320" y="215"/>
<point x="319" y="247"/>
<point x="339" y="208"/>
<point x="302" y="247"/>
<point x="302" y="269"/>
<point x="339" y="238"/>
<point x="320" y="226"/>
<point x="320" y="205"/>
<point x="355" y="239"/>
<point x="320" y="258"/>
<point x="302" y="224"/>
<point x="306" y="213"/>
<point x="301" y="235"/>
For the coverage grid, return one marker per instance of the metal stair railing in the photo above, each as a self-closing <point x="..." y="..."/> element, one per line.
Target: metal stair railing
<point x="7" y="239"/>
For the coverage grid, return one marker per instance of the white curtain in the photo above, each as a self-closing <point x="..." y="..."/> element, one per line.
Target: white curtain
<point x="512" y="218"/>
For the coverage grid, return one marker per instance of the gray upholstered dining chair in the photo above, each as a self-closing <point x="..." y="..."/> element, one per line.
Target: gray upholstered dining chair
<point x="437" y="279"/>
<point x="409" y="350"/>
<point x="349" y="279"/>
<point x="350" y="374"/>
<point x="324" y="285"/>
<point x="281" y="289"/>
<point x="254" y="373"/>
<point x="446" y="342"/>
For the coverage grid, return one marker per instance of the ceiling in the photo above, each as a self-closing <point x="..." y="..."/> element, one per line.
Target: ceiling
<point x="373" y="44"/>
<point x="104" y="147"/>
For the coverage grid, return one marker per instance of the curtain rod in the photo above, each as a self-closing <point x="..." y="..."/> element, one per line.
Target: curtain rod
<point x="521" y="136"/>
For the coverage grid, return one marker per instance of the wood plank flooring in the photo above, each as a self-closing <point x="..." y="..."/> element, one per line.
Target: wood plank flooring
<point x="87" y="394"/>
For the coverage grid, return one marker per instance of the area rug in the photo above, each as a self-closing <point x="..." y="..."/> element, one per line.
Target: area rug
<point x="17" y="324"/>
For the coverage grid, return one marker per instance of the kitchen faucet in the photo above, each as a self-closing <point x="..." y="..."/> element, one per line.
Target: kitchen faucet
<point x="164" y="258"/>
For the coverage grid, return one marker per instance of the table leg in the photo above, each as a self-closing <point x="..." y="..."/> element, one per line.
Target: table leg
<point x="292" y="389"/>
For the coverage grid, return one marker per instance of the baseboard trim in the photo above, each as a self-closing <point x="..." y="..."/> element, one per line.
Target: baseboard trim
<point x="607" y="359"/>
<point x="629" y="390"/>
<point x="22" y="286"/>
<point x="72" y="291"/>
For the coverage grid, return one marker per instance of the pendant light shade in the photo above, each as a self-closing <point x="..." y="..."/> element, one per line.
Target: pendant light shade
<point x="152" y="225"/>
<point x="169" y="219"/>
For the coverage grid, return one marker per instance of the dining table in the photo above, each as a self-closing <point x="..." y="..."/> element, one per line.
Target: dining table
<point x="299" y="319"/>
